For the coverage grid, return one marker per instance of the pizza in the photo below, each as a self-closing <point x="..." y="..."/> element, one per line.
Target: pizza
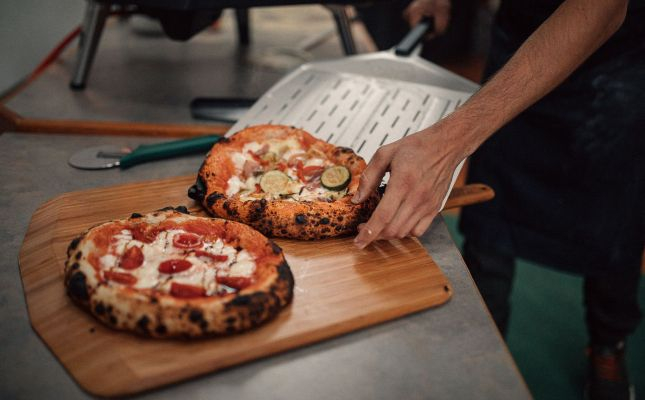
<point x="283" y="182"/>
<point x="170" y="274"/>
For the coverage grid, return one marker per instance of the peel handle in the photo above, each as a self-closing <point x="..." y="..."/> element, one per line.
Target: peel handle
<point x="414" y="37"/>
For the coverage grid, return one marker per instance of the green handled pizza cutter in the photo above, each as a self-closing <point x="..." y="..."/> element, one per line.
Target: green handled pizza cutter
<point x="110" y="156"/>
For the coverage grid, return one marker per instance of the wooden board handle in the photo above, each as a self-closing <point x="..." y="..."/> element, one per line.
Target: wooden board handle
<point x="117" y="128"/>
<point x="473" y="193"/>
<point x="12" y="122"/>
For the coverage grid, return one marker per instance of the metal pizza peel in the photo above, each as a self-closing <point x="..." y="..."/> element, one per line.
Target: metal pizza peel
<point x="364" y="101"/>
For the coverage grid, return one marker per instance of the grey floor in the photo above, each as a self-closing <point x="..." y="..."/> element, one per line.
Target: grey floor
<point x="134" y="60"/>
<point x="29" y="29"/>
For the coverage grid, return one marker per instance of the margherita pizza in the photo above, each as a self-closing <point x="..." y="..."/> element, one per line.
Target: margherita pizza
<point x="283" y="182"/>
<point x="169" y="274"/>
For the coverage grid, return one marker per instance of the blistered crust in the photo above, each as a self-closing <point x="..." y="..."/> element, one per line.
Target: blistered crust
<point x="306" y="220"/>
<point x="160" y="315"/>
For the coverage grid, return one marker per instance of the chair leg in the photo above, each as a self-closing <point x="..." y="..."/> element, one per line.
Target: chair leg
<point x="242" y="17"/>
<point x="95" y="15"/>
<point x="344" y="27"/>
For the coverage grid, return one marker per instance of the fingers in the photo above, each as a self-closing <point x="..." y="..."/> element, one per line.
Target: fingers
<point x="412" y="197"/>
<point x="407" y="222"/>
<point x="423" y="224"/>
<point x="439" y="9"/>
<point x="397" y="227"/>
<point x="409" y="210"/>
<point x="434" y="203"/>
<point x="441" y="16"/>
<point x="382" y="216"/>
<point x="414" y="211"/>
<point x="373" y="174"/>
<point x="416" y="11"/>
<point x="413" y="15"/>
<point x="405" y="229"/>
<point x="411" y="216"/>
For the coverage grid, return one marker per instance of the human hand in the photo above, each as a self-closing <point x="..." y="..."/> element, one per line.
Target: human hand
<point x="438" y="9"/>
<point x="421" y="168"/>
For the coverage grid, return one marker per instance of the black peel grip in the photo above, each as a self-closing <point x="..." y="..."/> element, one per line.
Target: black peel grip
<point x="414" y="37"/>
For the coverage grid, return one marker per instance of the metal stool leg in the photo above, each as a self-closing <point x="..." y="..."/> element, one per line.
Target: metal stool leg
<point x="95" y="15"/>
<point x="242" y="17"/>
<point x="344" y="27"/>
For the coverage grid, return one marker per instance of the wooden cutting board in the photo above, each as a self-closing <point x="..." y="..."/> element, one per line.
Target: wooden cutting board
<point x="338" y="289"/>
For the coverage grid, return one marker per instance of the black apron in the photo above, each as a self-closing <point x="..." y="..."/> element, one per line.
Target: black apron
<point x="569" y="173"/>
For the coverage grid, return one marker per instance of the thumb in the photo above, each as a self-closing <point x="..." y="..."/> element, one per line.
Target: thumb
<point x="413" y="13"/>
<point x="373" y="174"/>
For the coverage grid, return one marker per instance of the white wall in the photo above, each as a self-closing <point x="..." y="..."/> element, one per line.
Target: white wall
<point x="29" y="29"/>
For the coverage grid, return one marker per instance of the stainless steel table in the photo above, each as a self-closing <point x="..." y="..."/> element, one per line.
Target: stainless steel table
<point x="451" y="352"/>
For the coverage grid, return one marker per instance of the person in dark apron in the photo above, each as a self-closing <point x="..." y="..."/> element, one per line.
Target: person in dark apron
<point x="569" y="178"/>
<point x="568" y="174"/>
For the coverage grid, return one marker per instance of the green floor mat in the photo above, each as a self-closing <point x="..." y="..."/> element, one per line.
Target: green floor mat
<point x="547" y="332"/>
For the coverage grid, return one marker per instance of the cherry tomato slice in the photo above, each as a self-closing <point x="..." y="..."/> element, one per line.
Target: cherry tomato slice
<point x="214" y="257"/>
<point x="120" y="277"/>
<point x="174" y="266"/>
<point x="236" y="282"/>
<point x="186" y="240"/>
<point x="132" y="258"/>
<point x="313" y="170"/>
<point x="145" y="235"/>
<point x="306" y="141"/>
<point x="186" y="291"/>
<point x="299" y="172"/>
<point x="139" y="234"/>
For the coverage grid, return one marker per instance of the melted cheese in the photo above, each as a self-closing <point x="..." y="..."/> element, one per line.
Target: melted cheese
<point x="238" y="161"/>
<point x="283" y="149"/>
<point x="318" y="162"/>
<point x="155" y="219"/>
<point x="293" y="152"/>
<point x="251" y="147"/>
<point x="108" y="261"/>
<point x="234" y="184"/>
<point x="243" y="265"/>
<point x="203" y="270"/>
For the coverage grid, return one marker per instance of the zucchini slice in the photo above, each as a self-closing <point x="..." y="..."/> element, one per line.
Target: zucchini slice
<point x="336" y="178"/>
<point x="274" y="182"/>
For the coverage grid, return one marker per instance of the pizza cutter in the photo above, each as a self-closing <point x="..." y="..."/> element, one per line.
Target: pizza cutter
<point x="110" y="156"/>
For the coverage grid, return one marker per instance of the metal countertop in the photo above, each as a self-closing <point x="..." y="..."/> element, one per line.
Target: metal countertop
<point x="451" y="352"/>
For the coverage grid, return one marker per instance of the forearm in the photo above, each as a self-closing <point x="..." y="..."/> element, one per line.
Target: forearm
<point x="420" y="175"/>
<point x="568" y="37"/>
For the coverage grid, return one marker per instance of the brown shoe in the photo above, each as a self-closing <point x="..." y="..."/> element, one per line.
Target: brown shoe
<point x="607" y="373"/>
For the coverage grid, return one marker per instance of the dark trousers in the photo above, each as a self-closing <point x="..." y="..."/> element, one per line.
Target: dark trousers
<point x="612" y="311"/>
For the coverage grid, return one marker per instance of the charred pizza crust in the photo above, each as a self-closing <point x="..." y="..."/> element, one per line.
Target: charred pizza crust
<point x="160" y="314"/>
<point x="305" y="220"/>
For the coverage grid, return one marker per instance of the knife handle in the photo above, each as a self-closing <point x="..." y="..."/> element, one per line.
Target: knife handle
<point x="158" y="151"/>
